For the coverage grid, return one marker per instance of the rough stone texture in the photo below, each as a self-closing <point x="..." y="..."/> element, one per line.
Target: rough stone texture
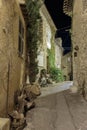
<point x="67" y="7"/>
<point x="34" y="89"/>
<point x="58" y="52"/>
<point x="48" y="31"/>
<point x="66" y="65"/>
<point x="11" y="65"/>
<point x="4" y="124"/>
<point x="79" y="39"/>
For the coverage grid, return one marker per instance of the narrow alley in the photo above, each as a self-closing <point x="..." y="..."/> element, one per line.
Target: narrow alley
<point x="58" y="111"/>
<point x="43" y="66"/>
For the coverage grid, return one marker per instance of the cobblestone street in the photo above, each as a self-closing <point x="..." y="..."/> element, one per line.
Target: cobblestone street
<point x="58" y="111"/>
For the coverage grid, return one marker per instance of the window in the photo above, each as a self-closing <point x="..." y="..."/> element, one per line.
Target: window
<point x="21" y="38"/>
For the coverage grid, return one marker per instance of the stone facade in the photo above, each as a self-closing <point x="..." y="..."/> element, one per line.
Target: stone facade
<point x="67" y="7"/>
<point x="12" y="64"/>
<point x="58" y="52"/>
<point x="67" y="66"/>
<point x="48" y="31"/>
<point x="79" y="40"/>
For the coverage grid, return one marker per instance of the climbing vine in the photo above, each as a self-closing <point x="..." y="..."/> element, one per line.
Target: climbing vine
<point x="55" y="73"/>
<point x="33" y="8"/>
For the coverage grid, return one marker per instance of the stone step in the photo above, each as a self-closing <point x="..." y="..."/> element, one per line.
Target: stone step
<point x="4" y="124"/>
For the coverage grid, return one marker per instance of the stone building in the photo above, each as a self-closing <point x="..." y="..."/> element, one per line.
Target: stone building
<point x="68" y="7"/>
<point x="48" y="37"/>
<point x="79" y="39"/>
<point x="12" y="52"/>
<point x="58" y="52"/>
<point x="13" y="21"/>
<point x="67" y="66"/>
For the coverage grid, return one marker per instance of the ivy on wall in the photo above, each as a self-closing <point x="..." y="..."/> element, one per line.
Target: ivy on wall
<point x="55" y="73"/>
<point x="33" y="7"/>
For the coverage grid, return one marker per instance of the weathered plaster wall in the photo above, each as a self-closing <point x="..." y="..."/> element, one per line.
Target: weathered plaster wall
<point x="79" y="39"/>
<point x="11" y="65"/>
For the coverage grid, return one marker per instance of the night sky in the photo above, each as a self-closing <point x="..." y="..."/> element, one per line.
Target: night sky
<point x="61" y="20"/>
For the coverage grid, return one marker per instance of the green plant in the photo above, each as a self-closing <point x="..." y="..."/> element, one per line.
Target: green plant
<point x="33" y="38"/>
<point x="51" y="58"/>
<point x="56" y="74"/>
<point x="51" y="53"/>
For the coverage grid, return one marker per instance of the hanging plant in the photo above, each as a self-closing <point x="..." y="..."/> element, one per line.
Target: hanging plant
<point x="33" y="8"/>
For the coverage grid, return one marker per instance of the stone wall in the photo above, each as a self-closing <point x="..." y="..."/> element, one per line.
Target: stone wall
<point x="66" y="66"/>
<point x="11" y="64"/>
<point x="58" y="52"/>
<point x="79" y="40"/>
<point x="48" y="34"/>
